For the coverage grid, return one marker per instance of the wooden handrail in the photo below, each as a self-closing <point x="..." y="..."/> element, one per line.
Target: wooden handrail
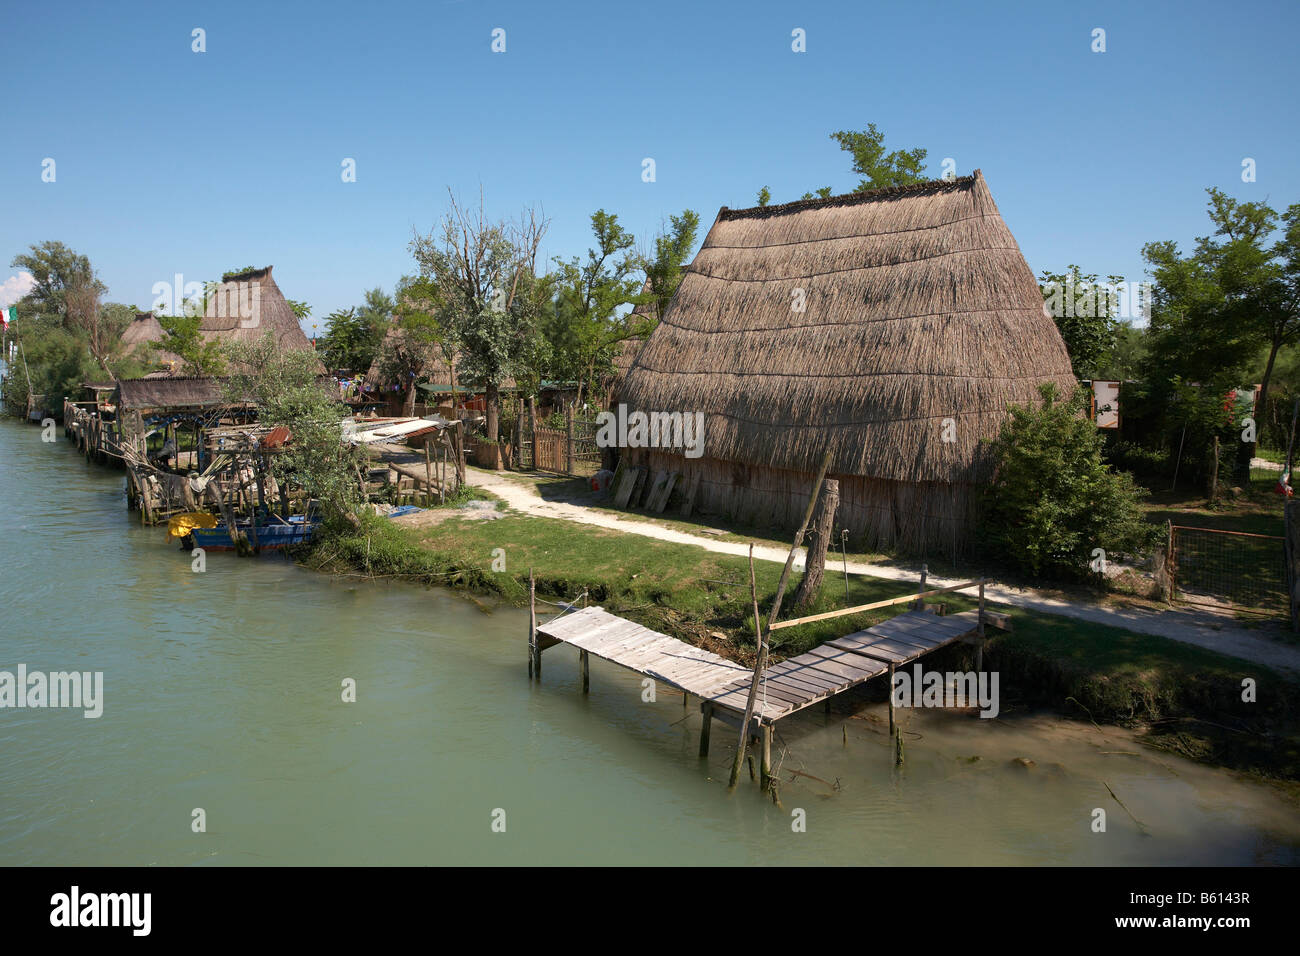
<point x="873" y="606"/>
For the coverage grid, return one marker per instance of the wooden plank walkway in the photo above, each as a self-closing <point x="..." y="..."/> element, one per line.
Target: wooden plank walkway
<point x="628" y="644"/>
<point x="787" y="687"/>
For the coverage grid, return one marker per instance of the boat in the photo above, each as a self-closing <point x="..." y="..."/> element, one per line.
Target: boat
<point x="274" y="534"/>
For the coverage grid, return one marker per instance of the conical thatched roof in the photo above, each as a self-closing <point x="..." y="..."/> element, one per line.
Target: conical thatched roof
<point x="245" y="305"/>
<point x="918" y="306"/>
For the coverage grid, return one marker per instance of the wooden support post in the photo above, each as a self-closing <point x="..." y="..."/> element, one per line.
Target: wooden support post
<point x="568" y="431"/>
<point x="798" y="540"/>
<point x="706" y="710"/>
<point x="898" y="747"/>
<point x="759" y="662"/>
<point x="979" y="631"/>
<point x="584" y="664"/>
<point x="893" y="719"/>
<point x="920" y="601"/>
<point x="765" y="773"/>
<point x="534" y="659"/>
<point x="815" y="561"/>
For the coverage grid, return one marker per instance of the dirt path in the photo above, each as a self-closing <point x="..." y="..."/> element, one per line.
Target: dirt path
<point x="1206" y="630"/>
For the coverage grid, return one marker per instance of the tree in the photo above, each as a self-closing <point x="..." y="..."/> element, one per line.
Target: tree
<point x="181" y="336"/>
<point x="589" y="295"/>
<point x="55" y="268"/>
<point x="764" y="196"/>
<point x="351" y="340"/>
<point x="1215" y="308"/>
<point x="897" y="168"/>
<point x="98" y="325"/>
<point x="1053" y="501"/>
<point x="485" y="273"/>
<point x="286" y="388"/>
<point x="673" y="248"/>
<point x="1084" y="312"/>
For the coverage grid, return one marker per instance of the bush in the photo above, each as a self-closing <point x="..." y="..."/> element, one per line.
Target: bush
<point x="1053" y="500"/>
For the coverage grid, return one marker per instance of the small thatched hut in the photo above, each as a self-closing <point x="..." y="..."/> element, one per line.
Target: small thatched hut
<point x="144" y="332"/>
<point x="891" y="328"/>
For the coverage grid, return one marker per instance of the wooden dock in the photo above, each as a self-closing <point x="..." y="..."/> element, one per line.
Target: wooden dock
<point x="784" y="689"/>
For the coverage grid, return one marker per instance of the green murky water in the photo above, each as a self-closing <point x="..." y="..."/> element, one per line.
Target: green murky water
<point x="222" y="692"/>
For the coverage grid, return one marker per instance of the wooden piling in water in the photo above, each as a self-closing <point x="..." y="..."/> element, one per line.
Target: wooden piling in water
<point x="706" y="709"/>
<point x="534" y="662"/>
<point x="584" y="664"/>
<point x="893" y="720"/>
<point x="765" y="775"/>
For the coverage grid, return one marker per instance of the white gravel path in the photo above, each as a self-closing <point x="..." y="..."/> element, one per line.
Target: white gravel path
<point x="1208" y="630"/>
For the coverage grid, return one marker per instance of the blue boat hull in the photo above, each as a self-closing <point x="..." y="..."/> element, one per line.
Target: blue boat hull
<point x="270" y="537"/>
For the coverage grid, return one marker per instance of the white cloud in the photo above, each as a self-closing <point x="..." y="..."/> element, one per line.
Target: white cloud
<point x="15" y="287"/>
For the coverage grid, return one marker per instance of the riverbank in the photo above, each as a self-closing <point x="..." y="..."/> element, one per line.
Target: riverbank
<point x="1181" y="697"/>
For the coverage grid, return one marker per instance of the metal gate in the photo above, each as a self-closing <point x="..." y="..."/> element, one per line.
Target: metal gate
<point x="1234" y="569"/>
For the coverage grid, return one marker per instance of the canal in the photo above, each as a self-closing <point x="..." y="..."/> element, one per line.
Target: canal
<point x="223" y="693"/>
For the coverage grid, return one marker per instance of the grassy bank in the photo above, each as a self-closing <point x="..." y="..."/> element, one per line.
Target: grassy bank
<point x="1187" y="697"/>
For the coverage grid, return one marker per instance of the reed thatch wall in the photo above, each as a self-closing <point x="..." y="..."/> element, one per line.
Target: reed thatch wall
<point x="917" y="306"/>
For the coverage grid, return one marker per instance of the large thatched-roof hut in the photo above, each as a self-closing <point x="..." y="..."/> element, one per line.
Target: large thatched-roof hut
<point x="891" y="328"/>
<point x="245" y="305"/>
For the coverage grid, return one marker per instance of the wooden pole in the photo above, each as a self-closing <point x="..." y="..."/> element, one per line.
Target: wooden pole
<point x="428" y="474"/>
<point x="534" y="660"/>
<point x="795" y="621"/>
<point x="979" y="632"/>
<point x="759" y="663"/>
<point x="706" y="709"/>
<point x="844" y="553"/>
<point x="798" y="540"/>
<point x="893" y="719"/>
<point x="920" y="595"/>
<point x="568" y="430"/>
<point x="815" y="563"/>
<point x="765" y="773"/>
<point x="584" y="664"/>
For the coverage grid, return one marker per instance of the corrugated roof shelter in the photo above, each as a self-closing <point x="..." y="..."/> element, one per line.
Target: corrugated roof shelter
<point x="891" y="328"/>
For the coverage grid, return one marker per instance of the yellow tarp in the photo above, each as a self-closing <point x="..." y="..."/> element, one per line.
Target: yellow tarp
<point x="181" y="525"/>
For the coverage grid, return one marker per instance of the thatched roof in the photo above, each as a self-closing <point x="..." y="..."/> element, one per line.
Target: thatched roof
<point x="245" y="305"/>
<point x="143" y="332"/>
<point x="918" y="306"/>
<point x="151" y="394"/>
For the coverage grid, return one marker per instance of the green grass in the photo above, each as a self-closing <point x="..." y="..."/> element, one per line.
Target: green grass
<point x="1188" y="695"/>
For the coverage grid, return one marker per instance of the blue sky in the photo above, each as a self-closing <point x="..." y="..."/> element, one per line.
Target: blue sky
<point x="170" y="161"/>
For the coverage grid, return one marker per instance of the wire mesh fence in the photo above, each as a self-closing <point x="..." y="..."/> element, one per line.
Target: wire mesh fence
<point x="1246" y="571"/>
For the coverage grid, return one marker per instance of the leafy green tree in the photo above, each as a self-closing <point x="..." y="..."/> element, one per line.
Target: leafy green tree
<point x="589" y="294"/>
<point x="55" y="268"/>
<point x="764" y="196"/>
<point x="181" y="336"/>
<point x="350" y="340"/>
<point x="489" y="295"/>
<point x="900" y="167"/>
<point x="1084" y="311"/>
<point x="673" y="247"/>
<point x="1237" y="292"/>
<point x="285" y="386"/>
<point x="1053" y="500"/>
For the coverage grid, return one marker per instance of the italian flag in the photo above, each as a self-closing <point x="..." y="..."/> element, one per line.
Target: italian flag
<point x="7" y="315"/>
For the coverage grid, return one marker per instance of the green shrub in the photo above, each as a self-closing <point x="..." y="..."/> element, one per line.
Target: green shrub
<point x="1053" y="499"/>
